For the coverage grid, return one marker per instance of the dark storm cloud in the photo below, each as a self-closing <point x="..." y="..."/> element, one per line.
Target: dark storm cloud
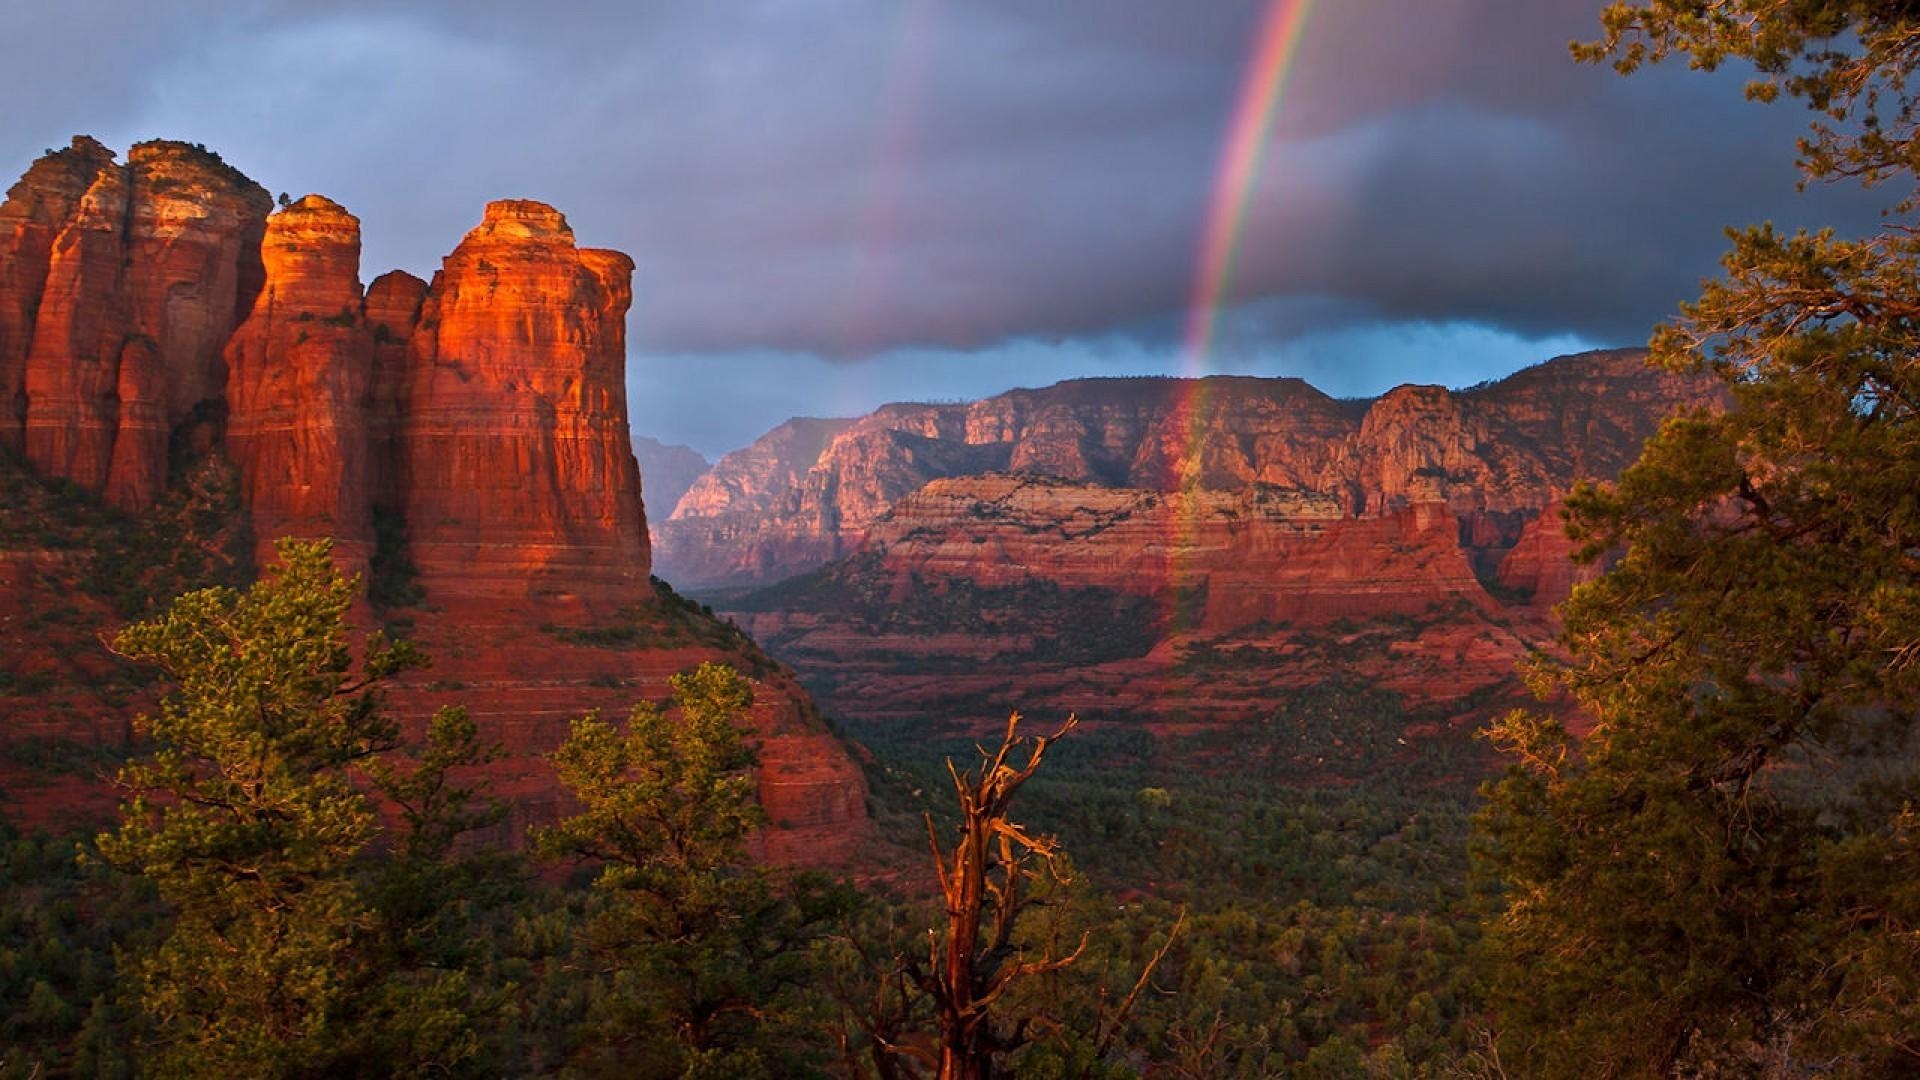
<point x="858" y="178"/>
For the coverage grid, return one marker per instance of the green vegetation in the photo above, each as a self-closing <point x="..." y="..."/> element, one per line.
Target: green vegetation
<point x="194" y="536"/>
<point x="247" y="823"/>
<point x="698" y="962"/>
<point x="268" y="921"/>
<point x="59" y="922"/>
<point x="1322" y="862"/>
<point x="392" y="579"/>
<point x="1721" y="878"/>
<point x="87" y="566"/>
<point x="1061" y="624"/>
<point x="672" y="621"/>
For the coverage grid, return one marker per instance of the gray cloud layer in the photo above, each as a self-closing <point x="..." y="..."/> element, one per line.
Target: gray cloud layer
<point x="851" y="178"/>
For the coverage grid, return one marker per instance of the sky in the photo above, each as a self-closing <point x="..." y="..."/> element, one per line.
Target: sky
<point x="833" y="204"/>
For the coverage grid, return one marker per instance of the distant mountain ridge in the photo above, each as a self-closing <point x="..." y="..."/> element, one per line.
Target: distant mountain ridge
<point x="1496" y="454"/>
<point x="1168" y="552"/>
<point x="668" y="470"/>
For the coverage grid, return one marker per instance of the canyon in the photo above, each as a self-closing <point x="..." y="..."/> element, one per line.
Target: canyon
<point x="164" y="331"/>
<point x="1167" y="551"/>
<point x="807" y="492"/>
<point x="188" y="373"/>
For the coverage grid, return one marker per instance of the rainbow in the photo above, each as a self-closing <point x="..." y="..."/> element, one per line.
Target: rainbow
<point x="901" y="103"/>
<point x="1261" y="89"/>
<point x="1260" y="92"/>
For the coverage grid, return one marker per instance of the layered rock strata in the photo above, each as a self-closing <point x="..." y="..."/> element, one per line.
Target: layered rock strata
<point x="300" y="372"/>
<point x="37" y="211"/>
<point x="743" y="521"/>
<point x="516" y="475"/>
<point x="154" y="311"/>
<point x="1495" y="455"/>
<point x="1259" y="554"/>
<point x="1161" y="552"/>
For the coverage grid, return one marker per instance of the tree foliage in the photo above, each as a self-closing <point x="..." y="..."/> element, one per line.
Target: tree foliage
<point x="1720" y="876"/>
<point x="668" y="798"/>
<point x="1850" y="61"/>
<point x="700" y="956"/>
<point x="249" y="824"/>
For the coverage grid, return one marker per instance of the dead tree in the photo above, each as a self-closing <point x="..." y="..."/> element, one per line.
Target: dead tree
<point x="985" y="881"/>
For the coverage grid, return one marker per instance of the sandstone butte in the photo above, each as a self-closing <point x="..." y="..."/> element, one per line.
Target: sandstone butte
<point x="1248" y="534"/>
<point x="157" y="312"/>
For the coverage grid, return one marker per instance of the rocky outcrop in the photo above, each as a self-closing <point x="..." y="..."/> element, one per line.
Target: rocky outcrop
<point x="516" y="475"/>
<point x="465" y="442"/>
<point x="300" y="370"/>
<point x="151" y="308"/>
<point x="1494" y="455"/>
<point x="722" y="528"/>
<point x="37" y="210"/>
<point x="1259" y="554"/>
<point x="1540" y="570"/>
<point x="147" y="275"/>
<point x="1165" y="552"/>
<point x="393" y="308"/>
<point x="980" y="594"/>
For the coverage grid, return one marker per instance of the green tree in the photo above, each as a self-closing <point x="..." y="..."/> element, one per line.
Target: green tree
<point x="247" y="821"/>
<point x="431" y="899"/>
<point x="697" y="951"/>
<point x="1721" y="875"/>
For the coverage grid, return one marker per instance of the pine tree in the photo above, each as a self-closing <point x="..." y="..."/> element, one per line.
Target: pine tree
<point x="248" y="821"/>
<point x="703" y="954"/>
<point x="1721" y="875"/>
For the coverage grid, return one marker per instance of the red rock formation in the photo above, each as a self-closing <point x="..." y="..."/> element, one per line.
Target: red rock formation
<point x="979" y="595"/>
<point x="193" y="268"/>
<point x="155" y="305"/>
<point x="516" y="475"/>
<point x="145" y="280"/>
<point x="392" y="313"/>
<point x="73" y="364"/>
<point x="1495" y="455"/>
<point x="1215" y="543"/>
<point x="37" y="209"/>
<point x="713" y="532"/>
<point x="1260" y="554"/>
<point x="1541" y="565"/>
<point x="299" y="378"/>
